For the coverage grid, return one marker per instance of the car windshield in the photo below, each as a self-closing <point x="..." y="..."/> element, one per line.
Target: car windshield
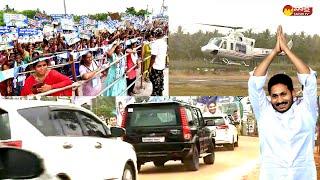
<point x="218" y="121"/>
<point x="39" y="118"/>
<point x="147" y="116"/>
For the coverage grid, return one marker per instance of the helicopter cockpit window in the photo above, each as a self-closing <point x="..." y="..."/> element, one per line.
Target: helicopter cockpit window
<point x="224" y="45"/>
<point x="241" y="48"/>
<point x="216" y="41"/>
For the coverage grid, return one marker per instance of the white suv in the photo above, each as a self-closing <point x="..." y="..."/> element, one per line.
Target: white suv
<point x="225" y="130"/>
<point x="72" y="141"/>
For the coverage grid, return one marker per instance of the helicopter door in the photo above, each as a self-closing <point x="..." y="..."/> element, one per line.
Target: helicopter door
<point x="242" y="48"/>
<point x="231" y="46"/>
<point x="224" y="45"/>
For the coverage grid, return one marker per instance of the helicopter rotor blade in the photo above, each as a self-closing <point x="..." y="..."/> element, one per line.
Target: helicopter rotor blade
<point x="231" y="27"/>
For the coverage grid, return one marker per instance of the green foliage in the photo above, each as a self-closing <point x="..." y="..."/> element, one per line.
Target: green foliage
<point x="76" y="18"/>
<point x="1" y="19"/>
<point x="141" y="12"/>
<point x="104" y="106"/>
<point x="29" y="13"/>
<point x="131" y="11"/>
<point x="99" y="16"/>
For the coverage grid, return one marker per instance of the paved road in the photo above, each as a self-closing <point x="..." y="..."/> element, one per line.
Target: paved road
<point x="146" y="89"/>
<point x="228" y="165"/>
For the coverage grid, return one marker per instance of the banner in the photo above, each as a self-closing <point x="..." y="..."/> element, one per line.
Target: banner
<point x="111" y="26"/>
<point x="56" y="18"/>
<point x="29" y="35"/>
<point x="34" y="23"/>
<point x="88" y="24"/>
<point x="48" y="31"/>
<point x="71" y="38"/>
<point x="67" y="24"/>
<point x="5" y="38"/>
<point x="85" y="34"/>
<point x="102" y="25"/>
<point x="17" y="20"/>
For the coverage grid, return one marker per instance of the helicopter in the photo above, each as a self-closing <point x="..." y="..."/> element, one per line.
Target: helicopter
<point x="236" y="46"/>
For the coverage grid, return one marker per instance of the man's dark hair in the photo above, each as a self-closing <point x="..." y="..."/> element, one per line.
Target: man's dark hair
<point x="280" y="79"/>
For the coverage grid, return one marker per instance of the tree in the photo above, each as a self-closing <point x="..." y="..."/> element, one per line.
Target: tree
<point x="131" y="11"/>
<point x="141" y="12"/>
<point x="8" y="9"/>
<point x="99" y="16"/>
<point x="29" y="13"/>
<point x="104" y="106"/>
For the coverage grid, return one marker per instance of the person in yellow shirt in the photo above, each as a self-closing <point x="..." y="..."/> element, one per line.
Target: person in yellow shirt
<point x="146" y="55"/>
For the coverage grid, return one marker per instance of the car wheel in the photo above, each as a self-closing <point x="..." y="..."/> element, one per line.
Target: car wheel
<point x="128" y="173"/>
<point x="159" y="163"/>
<point x="139" y="167"/>
<point x="236" y="144"/>
<point x="192" y="163"/>
<point x="231" y="146"/>
<point x="211" y="147"/>
<point x="209" y="159"/>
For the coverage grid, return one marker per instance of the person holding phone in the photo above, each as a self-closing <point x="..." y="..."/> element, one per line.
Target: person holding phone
<point x="43" y="80"/>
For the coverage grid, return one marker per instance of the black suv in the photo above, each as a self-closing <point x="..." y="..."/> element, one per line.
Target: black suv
<point x="168" y="131"/>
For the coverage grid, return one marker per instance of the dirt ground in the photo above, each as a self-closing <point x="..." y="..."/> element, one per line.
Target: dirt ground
<point x="254" y="175"/>
<point x="223" y="84"/>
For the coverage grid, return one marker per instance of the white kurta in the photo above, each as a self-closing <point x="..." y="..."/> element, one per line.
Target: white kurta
<point x="286" y="139"/>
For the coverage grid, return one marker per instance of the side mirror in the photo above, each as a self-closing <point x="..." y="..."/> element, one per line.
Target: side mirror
<point x="117" y="132"/>
<point x="19" y="164"/>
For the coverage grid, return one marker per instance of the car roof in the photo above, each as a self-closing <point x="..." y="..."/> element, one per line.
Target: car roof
<point x="9" y="104"/>
<point x="219" y="115"/>
<point x="160" y="103"/>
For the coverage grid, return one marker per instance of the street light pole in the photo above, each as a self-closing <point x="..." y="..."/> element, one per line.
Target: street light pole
<point x="64" y="5"/>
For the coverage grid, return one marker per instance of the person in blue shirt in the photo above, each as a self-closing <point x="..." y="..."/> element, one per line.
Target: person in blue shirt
<point x="286" y="123"/>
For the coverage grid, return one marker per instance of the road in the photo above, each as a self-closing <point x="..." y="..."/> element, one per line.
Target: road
<point x="228" y="165"/>
<point x="214" y="86"/>
<point x="146" y="90"/>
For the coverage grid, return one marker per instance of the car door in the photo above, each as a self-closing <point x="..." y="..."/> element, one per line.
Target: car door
<point x="106" y="158"/>
<point x="201" y="133"/>
<point x="231" y="129"/>
<point x="74" y="151"/>
<point x="205" y="131"/>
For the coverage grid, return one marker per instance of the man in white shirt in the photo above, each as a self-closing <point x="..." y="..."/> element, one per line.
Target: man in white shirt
<point x="158" y="62"/>
<point x="286" y="124"/>
<point x="212" y="108"/>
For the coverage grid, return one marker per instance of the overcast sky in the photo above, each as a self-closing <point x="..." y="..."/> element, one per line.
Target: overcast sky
<point x="82" y="7"/>
<point x="256" y="14"/>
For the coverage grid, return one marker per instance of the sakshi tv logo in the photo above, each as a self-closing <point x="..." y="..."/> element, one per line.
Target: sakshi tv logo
<point x="289" y="10"/>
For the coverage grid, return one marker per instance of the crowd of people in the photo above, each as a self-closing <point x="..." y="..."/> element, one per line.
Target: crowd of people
<point x="36" y="70"/>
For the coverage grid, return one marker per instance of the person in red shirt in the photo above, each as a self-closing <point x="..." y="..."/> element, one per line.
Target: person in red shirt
<point x="44" y="80"/>
<point x="132" y="60"/>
